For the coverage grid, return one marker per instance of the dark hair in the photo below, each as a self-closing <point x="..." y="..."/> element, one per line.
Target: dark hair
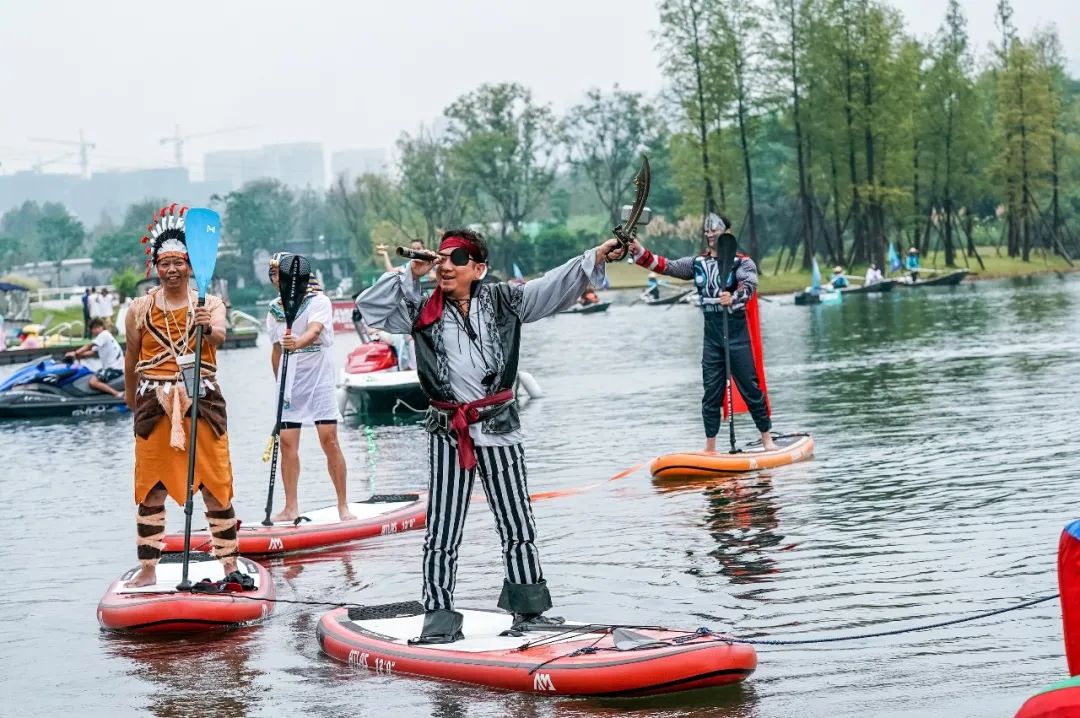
<point x="98" y="322"/>
<point x="474" y="237"/>
<point x="417" y="241"/>
<point x="727" y="223"/>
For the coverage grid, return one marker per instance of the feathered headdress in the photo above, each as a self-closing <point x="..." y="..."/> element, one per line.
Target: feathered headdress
<point x="165" y="235"/>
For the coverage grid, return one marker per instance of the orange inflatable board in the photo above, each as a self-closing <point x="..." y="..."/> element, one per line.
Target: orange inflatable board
<point x="160" y="608"/>
<point x="573" y="659"/>
<point x="699" y="464"/>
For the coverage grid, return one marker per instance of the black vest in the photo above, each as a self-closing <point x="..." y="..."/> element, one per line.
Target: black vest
<point x="499" y="306"/>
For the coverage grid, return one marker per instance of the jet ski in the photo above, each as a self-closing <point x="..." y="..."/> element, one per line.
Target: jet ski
<point x="49" y="388"/>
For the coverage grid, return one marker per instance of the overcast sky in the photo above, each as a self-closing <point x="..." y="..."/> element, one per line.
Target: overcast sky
<point x="348" y="74"/>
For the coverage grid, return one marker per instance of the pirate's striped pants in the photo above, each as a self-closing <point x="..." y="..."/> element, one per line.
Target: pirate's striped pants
<point x="503" y="476"/>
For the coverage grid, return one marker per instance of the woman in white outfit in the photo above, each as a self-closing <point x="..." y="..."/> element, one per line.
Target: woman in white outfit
<point x="310" y="385"/>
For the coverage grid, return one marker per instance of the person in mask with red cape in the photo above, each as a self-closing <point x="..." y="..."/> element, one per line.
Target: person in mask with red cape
<point x="736" y="294"/>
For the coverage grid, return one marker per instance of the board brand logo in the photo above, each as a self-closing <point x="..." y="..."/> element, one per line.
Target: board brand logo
<point x="276" y="544"/>
<point x="543" y="682"/>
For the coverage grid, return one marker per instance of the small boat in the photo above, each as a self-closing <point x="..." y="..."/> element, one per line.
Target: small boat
<point x="379" y="515"/>
<point x="571" y="659"/>
<point x="883" y="286"/>
<point x="700" y="464"/>
<point x="670" y="299"/>
<point x="160" y="608"/>
<point x="594" y="308"/>
<point x="809" y="297"/>
<point x="48" y="389"/>
<point x="373" y="385"/>
<point x="949" y="279"/>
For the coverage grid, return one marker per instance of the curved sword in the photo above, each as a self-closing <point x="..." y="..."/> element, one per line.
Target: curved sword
<point x="627" y="231"/>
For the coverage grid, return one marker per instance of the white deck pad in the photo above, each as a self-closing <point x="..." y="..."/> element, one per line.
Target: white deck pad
<point x="481" y="629"/>
<point x="169" y="574"/>
<point x="329" y="515"/>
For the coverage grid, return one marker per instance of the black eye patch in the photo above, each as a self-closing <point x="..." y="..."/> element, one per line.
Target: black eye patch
<point x="459" y="256"/>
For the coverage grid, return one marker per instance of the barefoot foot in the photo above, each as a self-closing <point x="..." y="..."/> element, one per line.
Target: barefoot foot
<point x="710" y="445"/>
<point x="344" y="514"/>
<point x="286" y="515"/>
<point x="145" y="577"/>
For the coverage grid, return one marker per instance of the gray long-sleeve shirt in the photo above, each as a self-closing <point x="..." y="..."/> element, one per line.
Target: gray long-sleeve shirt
<point x="390" y="303"/>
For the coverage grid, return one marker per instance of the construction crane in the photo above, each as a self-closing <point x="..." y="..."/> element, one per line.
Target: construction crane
<point x="82" y="144"/>
<point x="178" y="140"/>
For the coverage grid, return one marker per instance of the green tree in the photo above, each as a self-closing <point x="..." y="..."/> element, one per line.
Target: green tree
<point x="606" y="135"/>
<point x="19" y="238"/>
<point x="61" y="236"/>
<point x="949" y="125"/>
<point x="260" y="215"/>
<point x="117" y="251"/>
<point x="430" y="184"/>
<point x="503" y="144"/>
<point x="1026" y="113"/>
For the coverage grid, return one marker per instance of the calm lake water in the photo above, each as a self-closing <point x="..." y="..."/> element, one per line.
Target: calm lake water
<point x="946" y="423"/>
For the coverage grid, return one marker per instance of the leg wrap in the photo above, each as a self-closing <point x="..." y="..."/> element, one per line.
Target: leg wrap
<point x="223" y="534"/>
<point x="150" y="526"/>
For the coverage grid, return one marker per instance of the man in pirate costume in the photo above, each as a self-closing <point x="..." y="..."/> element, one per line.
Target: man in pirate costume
<point x="735" y="295"/>
<point x="467" y="337"/>
<point x="310" y="386"/>
<point x="160" y="330"/>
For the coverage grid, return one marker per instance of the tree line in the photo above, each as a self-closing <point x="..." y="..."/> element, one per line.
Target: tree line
<point x="819" y="126"/>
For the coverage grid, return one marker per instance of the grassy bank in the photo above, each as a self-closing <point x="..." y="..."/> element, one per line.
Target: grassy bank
<point x="622" y="275"/>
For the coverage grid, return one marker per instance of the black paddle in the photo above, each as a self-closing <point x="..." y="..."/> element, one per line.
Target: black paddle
<point x="294" y="273"/>
<point x="725" y="257"/>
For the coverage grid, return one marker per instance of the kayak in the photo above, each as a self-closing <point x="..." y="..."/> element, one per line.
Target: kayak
<point x="697" y="464"/>
<point x="570" y="659"/>
<point x="882" y="286"/>
<point x="823" y="297"/>
<point x="594" y="308"/>
<point x="670" y="299"/>
<point x="160" y="608"/>
<point x="379" y="515"/>
<point x="951" y="279"/>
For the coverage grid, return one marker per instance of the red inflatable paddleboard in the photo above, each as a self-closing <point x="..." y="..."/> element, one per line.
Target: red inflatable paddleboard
<point x="378" y="516"/>
<point x="160" y="608"/>
<point x="571" y="659"/>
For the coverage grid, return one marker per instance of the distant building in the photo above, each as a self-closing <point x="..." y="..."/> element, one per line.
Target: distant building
<point x="297" y="164"/>
<point x="353" y="163"/>
<point x="108" y="193"/>
<point x="73" y="272"/>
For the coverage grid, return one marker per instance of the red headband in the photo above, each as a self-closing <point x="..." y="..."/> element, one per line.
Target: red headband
<point x="454" y="242"/>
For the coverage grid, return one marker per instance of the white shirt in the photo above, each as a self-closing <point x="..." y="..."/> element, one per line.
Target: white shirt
<point x="108" y="350"/>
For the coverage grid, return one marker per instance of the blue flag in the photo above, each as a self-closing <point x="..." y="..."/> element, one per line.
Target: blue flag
<point x="517" y="272"/>
<point x="894" y="258"/>
<point x="815" y="276"/>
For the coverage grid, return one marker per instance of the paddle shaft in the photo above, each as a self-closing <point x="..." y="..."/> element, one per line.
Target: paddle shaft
<point x="185" y="584"/>
<point x="727" y="382"/>
<point x="277" y="431"/>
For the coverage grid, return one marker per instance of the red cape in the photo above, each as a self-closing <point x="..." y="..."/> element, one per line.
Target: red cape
<point x="753" y="324"/>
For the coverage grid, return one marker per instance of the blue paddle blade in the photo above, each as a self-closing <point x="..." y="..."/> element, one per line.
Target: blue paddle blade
<point x="202" y="231"/>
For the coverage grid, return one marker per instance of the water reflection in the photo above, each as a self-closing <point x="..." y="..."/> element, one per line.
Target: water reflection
<point x="194" y="676"/>
<point x="741" y="516"/>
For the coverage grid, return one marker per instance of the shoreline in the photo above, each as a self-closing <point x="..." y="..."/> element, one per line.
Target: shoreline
<point x="626" y="276"/>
